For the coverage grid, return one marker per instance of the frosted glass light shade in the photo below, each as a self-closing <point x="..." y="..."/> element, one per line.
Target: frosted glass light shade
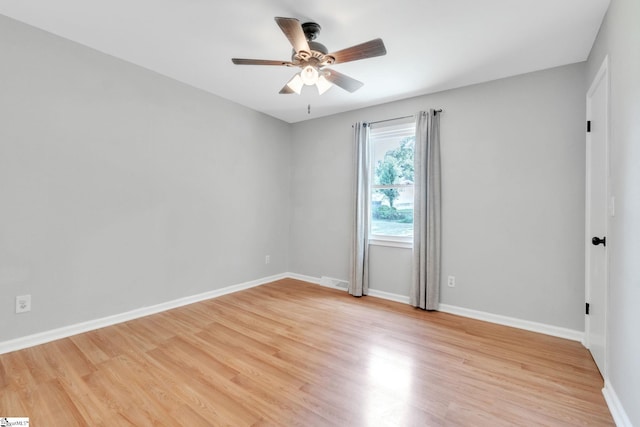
<point x="309" y="75"/>
<point x="305" y="77"/>
<point x="295" y="84"/>
<point x="323" y="85"/>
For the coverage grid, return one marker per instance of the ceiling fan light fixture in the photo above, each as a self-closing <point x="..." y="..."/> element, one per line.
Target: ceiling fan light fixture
<point x="295" y="84"/>
<point x="312" y="57"/>
<point x="309" y="75"/>
<point x="323" y="85"/>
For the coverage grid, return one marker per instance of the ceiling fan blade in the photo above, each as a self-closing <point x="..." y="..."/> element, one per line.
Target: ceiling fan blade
<point x="286" y="90"/>
<point x="242" y="61"/>
<point x="345" y="82"/>
<point x="293" y="30"/>
<point x="369" y="49"/>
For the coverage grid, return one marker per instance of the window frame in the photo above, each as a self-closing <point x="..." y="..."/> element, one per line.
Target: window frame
<point x="378" y="133"/>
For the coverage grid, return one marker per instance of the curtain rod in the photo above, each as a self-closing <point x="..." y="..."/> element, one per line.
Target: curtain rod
<point x="400" y="118"/>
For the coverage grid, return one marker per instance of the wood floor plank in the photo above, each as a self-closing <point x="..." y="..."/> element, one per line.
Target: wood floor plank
<point x="291" y="353"/>
<point x="209" y="386"/>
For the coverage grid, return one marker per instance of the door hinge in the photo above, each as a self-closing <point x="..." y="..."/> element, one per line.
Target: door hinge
<point x="586" y="308"/>
<point x="588" y="125"/>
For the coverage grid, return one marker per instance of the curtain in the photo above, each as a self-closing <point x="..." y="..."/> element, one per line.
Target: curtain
<point x="359" y="277"/>
<point x="425" y="286"/>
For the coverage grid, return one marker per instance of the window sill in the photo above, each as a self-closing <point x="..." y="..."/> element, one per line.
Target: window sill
<point x="391" y="243"/>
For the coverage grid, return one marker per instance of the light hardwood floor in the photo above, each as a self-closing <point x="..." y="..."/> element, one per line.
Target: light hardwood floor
<point x="295" y="354"/>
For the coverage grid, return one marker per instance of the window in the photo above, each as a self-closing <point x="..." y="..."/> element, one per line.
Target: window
<point x="391" y="168"/>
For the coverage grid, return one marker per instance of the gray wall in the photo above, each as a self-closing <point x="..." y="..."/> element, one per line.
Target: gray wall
<point x="619" y="38"/>
<point x="121" y="188"/>
<point x="513" y="157"/>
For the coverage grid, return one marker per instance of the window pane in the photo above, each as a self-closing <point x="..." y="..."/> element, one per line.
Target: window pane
<point x="396" y="220"/>
<point x="392" y="152"/>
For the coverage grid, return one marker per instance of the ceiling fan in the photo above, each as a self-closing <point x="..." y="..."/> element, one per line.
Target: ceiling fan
<point x="313" y="57"/>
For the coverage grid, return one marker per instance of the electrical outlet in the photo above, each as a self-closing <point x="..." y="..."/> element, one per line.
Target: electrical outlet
<point x="451" y="282"/>
<point x="23" y="303"/>
<point x="267" y="259"/>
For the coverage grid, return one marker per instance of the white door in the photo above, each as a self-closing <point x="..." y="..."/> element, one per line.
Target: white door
<point x="597" y="211"/>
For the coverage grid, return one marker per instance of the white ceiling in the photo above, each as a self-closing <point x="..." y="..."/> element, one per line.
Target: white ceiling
<point x="432" y="45"/>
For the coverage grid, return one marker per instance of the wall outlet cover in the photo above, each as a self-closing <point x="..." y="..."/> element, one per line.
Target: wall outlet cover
<point x="451" y="281"/>
<point x="23" y="303"/>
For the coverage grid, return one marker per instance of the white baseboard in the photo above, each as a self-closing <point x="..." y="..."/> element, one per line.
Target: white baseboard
<point x="309" y="279"/>
<point x="527" y="325"/>
<point x="67" y="331"/>
<point x="615" y="406"/>
<point x="372" y="292"/>
<point x="388" y="296"/>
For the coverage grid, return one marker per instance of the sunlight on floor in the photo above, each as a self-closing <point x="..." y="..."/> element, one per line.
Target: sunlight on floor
<point x="390" y="382"/>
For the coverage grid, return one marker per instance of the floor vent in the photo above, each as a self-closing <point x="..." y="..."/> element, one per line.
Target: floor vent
<point x="333" y="283"/>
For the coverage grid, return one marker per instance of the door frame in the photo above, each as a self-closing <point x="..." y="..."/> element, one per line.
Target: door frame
<point x="601" y="77"/>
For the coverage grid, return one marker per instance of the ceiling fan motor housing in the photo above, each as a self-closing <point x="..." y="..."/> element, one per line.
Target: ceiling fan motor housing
<point x="317" y="56"/>
<point x="311" y="30"/>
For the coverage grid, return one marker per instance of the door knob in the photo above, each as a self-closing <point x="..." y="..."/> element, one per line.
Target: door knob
<point x="597" y="241"/>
